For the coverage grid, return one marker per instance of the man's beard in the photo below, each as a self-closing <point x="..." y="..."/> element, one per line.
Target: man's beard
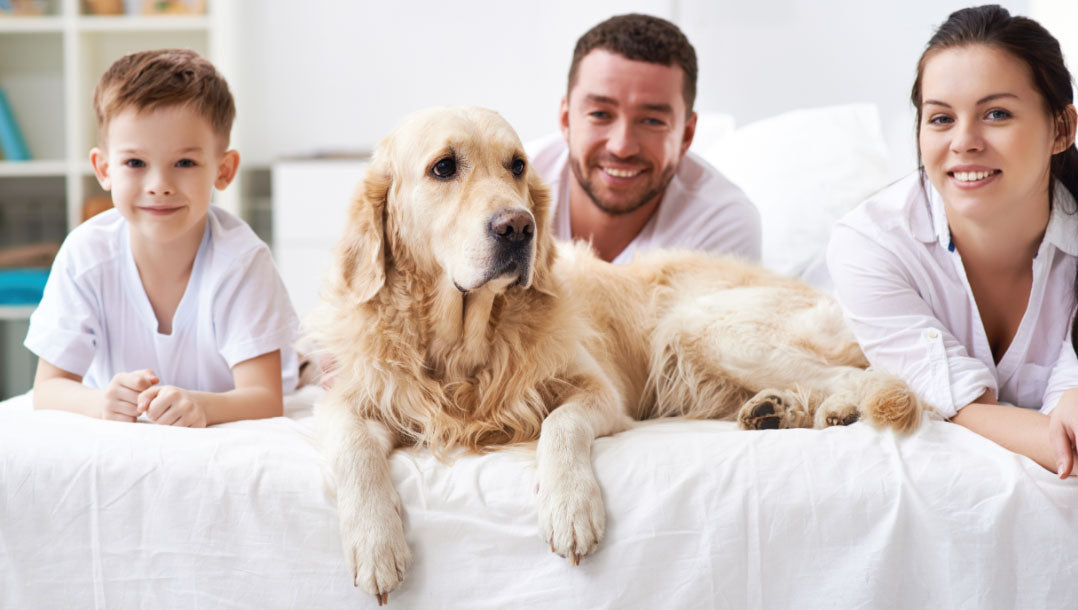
<point x="608" y="208"/>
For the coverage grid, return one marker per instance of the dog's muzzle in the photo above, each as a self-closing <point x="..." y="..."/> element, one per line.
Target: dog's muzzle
<point x="513" y="232"/>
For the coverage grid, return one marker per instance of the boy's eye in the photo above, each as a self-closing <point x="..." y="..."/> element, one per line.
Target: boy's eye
<point x="134" y="163"/>
<point x="599" y="114"/>
<point x="185" y="163"/>
<point x="654" y="122"/>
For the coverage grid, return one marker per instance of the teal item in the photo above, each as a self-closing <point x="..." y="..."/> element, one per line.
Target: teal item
<point x="22" y="286"/>
<point x="12" y="143"/>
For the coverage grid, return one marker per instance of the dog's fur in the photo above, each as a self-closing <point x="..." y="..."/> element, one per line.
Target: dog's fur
<point x="449" y="334"/>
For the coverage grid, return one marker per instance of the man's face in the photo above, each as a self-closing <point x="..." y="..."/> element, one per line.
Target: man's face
<point x="626" y="127"/>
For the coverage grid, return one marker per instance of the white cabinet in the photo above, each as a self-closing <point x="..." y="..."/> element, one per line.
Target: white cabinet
<point x="310" y="207"/>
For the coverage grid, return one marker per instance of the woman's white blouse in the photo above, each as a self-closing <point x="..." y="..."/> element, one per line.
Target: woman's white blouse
<point x="904" y="289"/>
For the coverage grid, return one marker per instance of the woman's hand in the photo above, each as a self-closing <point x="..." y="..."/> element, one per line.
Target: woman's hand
<point x="1062" y="432"/>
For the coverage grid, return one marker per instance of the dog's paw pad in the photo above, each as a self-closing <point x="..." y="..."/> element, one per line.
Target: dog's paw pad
<point x="765" y="411"/>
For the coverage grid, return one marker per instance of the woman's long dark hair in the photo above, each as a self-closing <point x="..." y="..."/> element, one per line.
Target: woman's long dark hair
<point x="1026" y="40"/>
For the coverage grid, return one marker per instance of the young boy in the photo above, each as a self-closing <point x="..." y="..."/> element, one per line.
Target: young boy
<point x="164" y="305"/>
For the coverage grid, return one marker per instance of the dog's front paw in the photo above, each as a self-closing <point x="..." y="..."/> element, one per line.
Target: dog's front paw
<point x="571" y="515"/>
<point x="376" y="551"/>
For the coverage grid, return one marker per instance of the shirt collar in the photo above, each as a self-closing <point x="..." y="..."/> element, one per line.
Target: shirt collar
<point x="1062" y="231"/>
<point x="927" y="218"/>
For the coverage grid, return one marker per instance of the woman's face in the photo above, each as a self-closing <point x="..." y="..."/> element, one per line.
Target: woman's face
<point x="986" y="137"/>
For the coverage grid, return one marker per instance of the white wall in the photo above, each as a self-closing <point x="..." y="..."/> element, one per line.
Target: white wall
<point x="325" y="75"/>
<point x="335" y="76"/>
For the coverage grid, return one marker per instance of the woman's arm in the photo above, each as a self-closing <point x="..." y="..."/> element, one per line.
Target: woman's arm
<point x="1039" y="437"/>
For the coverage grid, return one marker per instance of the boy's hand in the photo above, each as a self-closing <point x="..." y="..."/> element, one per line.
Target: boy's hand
<point x="1062" y="432"/>
<point x="171" y="406"/>
<point x="122" y="394"/>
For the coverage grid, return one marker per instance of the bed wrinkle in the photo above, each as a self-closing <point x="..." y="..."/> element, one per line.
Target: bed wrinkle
<point x="753" y="537"/>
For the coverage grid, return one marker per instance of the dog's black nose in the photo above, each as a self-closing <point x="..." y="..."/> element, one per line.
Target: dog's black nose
<point x="513" y="225"/>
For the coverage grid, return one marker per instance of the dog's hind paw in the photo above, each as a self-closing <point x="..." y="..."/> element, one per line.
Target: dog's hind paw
<point x="772" y="409"/>
<point x="837" y="410"/>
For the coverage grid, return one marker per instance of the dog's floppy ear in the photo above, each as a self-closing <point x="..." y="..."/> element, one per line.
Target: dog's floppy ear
<point x="539" y="193"/>
<point x="361" y="252"/>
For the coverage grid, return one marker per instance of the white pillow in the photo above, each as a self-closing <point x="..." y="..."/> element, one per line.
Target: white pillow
<point x="803" y="169"/>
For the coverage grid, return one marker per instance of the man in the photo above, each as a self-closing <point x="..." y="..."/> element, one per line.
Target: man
<point x="620" y="171"/>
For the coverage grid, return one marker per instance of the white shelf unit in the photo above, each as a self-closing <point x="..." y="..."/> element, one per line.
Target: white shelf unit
<point x="49" y="66"/>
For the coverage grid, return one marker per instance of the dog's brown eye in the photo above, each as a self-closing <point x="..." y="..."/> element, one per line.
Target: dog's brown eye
<point x="517" y="167"/>
<point x="445" y="168"/>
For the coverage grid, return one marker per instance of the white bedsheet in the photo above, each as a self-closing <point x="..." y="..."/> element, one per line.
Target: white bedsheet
<point x="700" y="515"/>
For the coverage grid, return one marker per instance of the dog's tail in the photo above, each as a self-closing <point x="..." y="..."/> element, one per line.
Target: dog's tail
<point x="889" y="402"/>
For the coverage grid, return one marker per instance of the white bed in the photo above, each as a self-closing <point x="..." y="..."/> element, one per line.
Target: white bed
<point x="100" y="514"/>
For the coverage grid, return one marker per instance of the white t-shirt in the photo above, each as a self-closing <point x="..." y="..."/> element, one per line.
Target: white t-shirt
<point x="700" y="210"/>
<point x="95" y="319"/>
<point x="904" y="290"/>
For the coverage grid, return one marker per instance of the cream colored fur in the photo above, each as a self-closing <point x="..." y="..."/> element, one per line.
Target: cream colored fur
<point x="435" y="349"/>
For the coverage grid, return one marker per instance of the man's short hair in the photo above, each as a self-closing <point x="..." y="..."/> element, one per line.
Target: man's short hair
<point x="641" y="38"/>
<point x="162" y="78"/>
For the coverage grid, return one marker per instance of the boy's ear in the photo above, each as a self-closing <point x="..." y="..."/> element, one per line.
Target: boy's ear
<point x="100" y="163"/>
<point x="226" y="169"/>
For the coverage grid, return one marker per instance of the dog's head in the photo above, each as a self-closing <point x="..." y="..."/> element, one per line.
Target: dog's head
<point x="450" y="193"/>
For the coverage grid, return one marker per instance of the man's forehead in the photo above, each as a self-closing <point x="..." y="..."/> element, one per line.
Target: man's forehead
<point x="608" y="78"/>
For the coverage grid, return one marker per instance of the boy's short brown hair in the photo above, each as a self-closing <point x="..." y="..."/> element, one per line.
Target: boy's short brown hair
<point x="149" y="80"/>
<point x="641" y="38"/>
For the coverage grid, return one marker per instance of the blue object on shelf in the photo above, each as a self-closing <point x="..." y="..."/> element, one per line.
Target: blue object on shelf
<point x="12" y="143"/>
<point x="22" y="286"/>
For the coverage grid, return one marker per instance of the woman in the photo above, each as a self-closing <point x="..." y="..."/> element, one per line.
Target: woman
<point x="961" y="279"/>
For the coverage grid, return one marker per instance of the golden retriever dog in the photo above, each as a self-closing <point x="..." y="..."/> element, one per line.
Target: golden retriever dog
<point x="457" y="322"/>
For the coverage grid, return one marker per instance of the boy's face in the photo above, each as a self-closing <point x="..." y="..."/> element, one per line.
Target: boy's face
<point x="161" y="167"/>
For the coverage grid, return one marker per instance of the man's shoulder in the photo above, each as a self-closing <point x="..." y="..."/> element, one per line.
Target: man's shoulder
<point x="702" y="192"/>
<point x="700" y="180"/>
<point x="548" y="155"/>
